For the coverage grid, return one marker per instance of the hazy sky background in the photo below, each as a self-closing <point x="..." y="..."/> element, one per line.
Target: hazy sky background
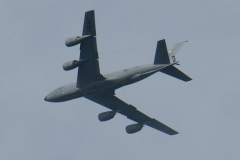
<point x="205" y="111"/>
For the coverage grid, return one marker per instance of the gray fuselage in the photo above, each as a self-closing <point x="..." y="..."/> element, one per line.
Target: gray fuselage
<point x="111" y="82"/>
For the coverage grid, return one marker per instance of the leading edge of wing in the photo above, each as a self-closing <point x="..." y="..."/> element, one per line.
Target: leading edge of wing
<point x="112" y="102"/>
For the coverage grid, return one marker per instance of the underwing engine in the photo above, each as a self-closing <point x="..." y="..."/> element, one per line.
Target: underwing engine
<point x="74" y="40"/>
<point x="72" y="64"/>
<point x="105" y="116"/>
<point x="133" y="128"/>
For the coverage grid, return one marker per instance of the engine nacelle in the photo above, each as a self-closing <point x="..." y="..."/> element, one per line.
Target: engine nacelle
<point x="74" y="40"/>
<point x="71" y="65"/>
<point x="133" y="128"/>
<point x="105" y="116"/>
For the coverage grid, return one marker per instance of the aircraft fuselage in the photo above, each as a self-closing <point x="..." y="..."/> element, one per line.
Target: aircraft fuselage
<point x="112" y="82"/>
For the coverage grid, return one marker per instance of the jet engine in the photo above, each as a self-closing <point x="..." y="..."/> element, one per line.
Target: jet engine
<point x="74" y="40"/>
<point x="133" y="128"/>
<point x="71" y="65"/>
<point x="105" y="116"/>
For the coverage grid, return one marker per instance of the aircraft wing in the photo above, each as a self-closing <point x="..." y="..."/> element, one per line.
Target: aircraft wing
<point x="112" y="102"/>
<point x="89" y="72"/>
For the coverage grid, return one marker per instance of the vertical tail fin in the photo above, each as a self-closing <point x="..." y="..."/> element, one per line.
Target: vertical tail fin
<point x="161" y="55"/>
<point x="174" y="51"/>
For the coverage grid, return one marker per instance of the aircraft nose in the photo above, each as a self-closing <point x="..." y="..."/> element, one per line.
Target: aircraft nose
<point x="51" y="97"/>
<point x="47" y="98"/>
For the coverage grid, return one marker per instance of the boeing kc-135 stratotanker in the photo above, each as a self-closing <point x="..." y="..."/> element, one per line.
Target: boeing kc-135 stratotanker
<point x="91" y="84"/>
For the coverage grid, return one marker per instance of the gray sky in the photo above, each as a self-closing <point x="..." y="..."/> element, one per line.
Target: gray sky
<point x="205" y="111"/>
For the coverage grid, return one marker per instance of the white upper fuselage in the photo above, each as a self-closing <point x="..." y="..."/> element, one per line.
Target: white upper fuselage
<point x="113" y="81"/>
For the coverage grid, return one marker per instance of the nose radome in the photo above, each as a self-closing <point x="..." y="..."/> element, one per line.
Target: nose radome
<point x="51" y="97"/>
<point x="47" y="98"/>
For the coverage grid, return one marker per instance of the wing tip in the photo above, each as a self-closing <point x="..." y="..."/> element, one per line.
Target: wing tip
<point x="173" y="133"/>
<point x="89" y="11"/>
<point x="188" y="79"/>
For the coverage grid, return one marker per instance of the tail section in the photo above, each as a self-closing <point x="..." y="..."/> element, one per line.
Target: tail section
<point x="174" y="51"/>
<point x="174" y="72"/>
<point x="162" y="56"/>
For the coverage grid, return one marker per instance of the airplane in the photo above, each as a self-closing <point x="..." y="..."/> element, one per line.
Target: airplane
<point x="92" y="85"/>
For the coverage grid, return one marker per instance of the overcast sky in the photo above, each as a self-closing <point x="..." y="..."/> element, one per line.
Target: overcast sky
<point x="205" y="111"/>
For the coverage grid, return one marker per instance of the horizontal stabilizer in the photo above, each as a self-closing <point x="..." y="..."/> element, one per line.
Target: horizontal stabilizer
<point x="161" y="55"/>
<point x="174" y="72"/>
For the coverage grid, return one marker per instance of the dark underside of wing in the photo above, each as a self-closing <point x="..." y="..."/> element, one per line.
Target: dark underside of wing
<point x="112" y="102"/>
<point x="88" y="71"/>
